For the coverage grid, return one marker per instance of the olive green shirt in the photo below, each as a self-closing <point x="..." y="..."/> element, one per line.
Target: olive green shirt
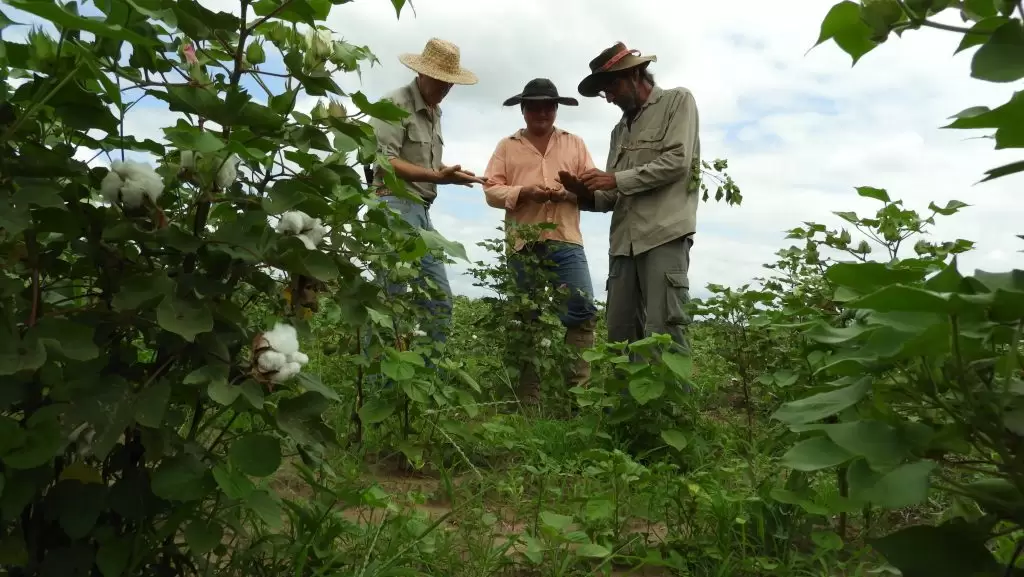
<point x="416" y="138"/>
<point x="655" y="161"/>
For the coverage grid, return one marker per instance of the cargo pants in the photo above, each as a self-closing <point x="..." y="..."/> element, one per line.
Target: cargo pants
<point x="648" y="293"/>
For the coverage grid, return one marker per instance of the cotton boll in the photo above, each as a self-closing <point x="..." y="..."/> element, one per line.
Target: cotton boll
<point x="188" y="159"/>
<point x="227" y="173"/>
<point x="300" y="358"/>
<point x="545" y="343"/>
<point x="138" y="181"/>
<point x="110" y="187"/>
<point x="308" y="242"/>
<point x="291" y="222"/>
<point x="286" y="372"/>
<point x="272" y="361"/>
<point x="283" y="339"/>
<point x="132" y="193"/>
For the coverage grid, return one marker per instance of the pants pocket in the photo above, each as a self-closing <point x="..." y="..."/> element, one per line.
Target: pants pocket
<point x="677" y="294"/>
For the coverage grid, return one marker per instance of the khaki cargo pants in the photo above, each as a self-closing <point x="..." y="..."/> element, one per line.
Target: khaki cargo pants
<point x="648" y="293"/>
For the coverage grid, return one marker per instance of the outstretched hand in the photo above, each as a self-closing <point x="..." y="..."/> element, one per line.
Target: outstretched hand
<point x="574" y="185"/>
<point x="456" y="175"/>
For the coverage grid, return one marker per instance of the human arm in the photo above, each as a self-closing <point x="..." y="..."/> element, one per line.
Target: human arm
<point x="576" y="191"/>
<point x="390" y="136"/>
<point x="497" y="191"/>
<point x="674" y="162"/>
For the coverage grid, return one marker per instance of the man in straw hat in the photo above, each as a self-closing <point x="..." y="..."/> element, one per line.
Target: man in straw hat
<point x="521" y="180"/>
<point x="650" y="185"/>
<point x="414" y="147"/>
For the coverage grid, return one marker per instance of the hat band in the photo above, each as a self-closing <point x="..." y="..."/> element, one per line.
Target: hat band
<point x="614" y="59"/>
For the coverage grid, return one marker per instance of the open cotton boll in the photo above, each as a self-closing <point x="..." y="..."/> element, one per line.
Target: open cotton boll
<point x="286" y="372"/>
<point x="227" y="173"/>
<point x="283" y="339"/>
<point x="300" y="358"/>
<point x="272" y="361"/>
<point x="291" y="222"/>
<point x="132" y="182"/>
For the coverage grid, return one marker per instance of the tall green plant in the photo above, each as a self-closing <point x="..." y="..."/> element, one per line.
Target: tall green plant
<point x="153" y="360"/>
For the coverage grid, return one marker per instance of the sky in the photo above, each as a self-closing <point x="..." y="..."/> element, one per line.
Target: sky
<point x="801" y="127"/>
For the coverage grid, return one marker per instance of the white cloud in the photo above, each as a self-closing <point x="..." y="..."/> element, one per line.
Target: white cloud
<point x="800" y="129"/>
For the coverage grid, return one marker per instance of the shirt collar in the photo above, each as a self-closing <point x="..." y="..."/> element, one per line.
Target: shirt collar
<point x="418" y="101"/>
<point x="518" y="135"/>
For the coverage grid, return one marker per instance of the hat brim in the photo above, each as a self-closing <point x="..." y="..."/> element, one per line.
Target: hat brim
<point x="564" y="100"/>
<point x="416" y="63"/>
<point x="591" y="84"/>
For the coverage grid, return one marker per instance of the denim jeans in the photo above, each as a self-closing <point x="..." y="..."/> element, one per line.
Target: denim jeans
<point x="568" y="263"/>
<point x="440" y="309"/>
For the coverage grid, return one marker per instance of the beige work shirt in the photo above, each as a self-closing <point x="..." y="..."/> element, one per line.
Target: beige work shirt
<point x="416" y="138"/>
<point x="655" y="161"/>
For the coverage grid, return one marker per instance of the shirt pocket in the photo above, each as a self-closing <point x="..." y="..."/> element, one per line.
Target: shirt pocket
<point x="647" y="144"/>
<point x="418" y="146"/>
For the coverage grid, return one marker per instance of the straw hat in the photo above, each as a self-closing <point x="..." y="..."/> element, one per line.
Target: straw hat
<point x="611" y="60"/>
<point x="440" y="60"/>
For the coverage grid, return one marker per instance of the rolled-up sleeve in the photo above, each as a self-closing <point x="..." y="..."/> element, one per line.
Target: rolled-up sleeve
<point x="675" y="160"/>
<point x="390" y="136"/>
<point x="499" y="194"/>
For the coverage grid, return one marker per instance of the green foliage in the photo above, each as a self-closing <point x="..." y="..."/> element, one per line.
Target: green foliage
<point x="995" y="27"/>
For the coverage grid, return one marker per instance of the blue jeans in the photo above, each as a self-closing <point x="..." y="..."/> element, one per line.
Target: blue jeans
<point x="568" y="264"/>
<point x="440" y="309"/>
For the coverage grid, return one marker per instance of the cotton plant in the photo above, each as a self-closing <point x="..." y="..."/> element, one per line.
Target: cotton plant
<point x="130" y="184"/>
<point x="276" y="354"/>
<point x="319" y="46"/>
<point x="307" y="229"/>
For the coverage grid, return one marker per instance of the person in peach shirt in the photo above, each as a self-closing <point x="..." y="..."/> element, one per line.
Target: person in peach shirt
<point x="521" y="178"/>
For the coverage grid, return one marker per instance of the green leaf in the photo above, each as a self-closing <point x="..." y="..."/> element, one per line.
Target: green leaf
<point x="1005" y="170"/>
<point x="256" y="455"/>
<point x="312" y="382"/>
<point x="182" y="477"/>
<point x="900" y="298"/>
<point x="65" y="19"/>
<point x="382" y="109"/>
<point x="320" y="266"/>
<point x="151" y="404"/>
<point x="593" y="550"/>
<point x="376" y="411"/>
<point x="821" y="405"/>
<point x="876" y="441"/>
<point x="194" y="138"/>
<point x="814" y="454"/>
<point x="72" y="340"/>
<point x="434" y="241"/>
<point x="232" y="482"/>
<point x="203" y="536"/>
<point x="43" y="442"/>
<point x="646" y="390"/>
<point x="844" y="25"/>
<point x="114" y="555"/>
<point x="681" y="365"/>
<point x="980" y="32"/>
<point x="266" y="507"/>
<point x="223" y="392"/>
<point x="1000" y="59"/>
<point x="185" y="318"/>
<point x="301" y="418"/>
<point x="953" y="549"/>
<point x="865" y="277"/>
<point x="905" y="486"/>
<point x="555" y="521"/>
<point x="674" y="439"/>
<point x="875" y="193"/>
<point x="398" y="4"/>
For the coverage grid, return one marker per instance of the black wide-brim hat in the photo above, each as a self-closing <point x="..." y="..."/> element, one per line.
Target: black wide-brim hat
<point x="540" y="90"/>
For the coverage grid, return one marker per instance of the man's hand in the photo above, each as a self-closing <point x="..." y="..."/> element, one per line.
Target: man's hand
<point x="595" y="179"/>
<point x="535" y="193"/>
<point x="575" y="186"/>
<point x="455" y="175"/>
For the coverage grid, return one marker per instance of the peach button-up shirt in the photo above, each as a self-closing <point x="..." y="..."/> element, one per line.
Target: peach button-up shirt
<point x="516" y="164"/>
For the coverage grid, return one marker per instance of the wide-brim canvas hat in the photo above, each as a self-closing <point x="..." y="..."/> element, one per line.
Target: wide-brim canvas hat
<point x="609" y="61"/>
<point x="540" y="90"/>
<point x="439" y="59"/>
